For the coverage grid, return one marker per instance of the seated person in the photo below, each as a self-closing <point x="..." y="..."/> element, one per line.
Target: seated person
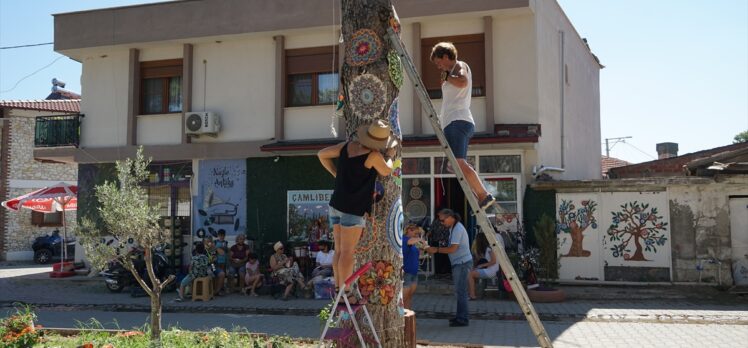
<point x="199" y="268"/>
<point x="218" y="274"/>
<point x="238" y="258"/>
<point x="323" y="268"/>
<point x="486" y="267"/>
<point x="253" y="278"/>
<point x="285" y="270"/>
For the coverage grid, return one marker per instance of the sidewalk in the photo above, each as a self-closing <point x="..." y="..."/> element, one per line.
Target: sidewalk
<point x="664" y="304"/>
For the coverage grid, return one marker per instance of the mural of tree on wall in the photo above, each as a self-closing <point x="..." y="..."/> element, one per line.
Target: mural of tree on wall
<point x="574" y="221"/>
<point x="638" y="222"/>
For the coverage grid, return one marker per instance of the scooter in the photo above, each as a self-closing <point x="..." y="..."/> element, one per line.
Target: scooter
<point x="117" y="277"/>
<point x="47" y="248"/>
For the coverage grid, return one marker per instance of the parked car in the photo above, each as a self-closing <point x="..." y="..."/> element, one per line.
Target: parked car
<point x="47" y="248"/>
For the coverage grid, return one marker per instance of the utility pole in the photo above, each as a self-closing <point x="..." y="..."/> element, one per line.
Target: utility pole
<point x="617" y="140"/>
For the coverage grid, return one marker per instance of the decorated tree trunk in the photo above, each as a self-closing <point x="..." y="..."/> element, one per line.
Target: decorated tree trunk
<point x="371" y="77"/>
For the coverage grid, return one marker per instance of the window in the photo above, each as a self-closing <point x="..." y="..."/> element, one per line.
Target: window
<point x="310" y="77"/>
<point x="501" y="164"/>
<point x="161" y="86"/>
<point x="470" y="49"/>
<point x="49" y="219"/>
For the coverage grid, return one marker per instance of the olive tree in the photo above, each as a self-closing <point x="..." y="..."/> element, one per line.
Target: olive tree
<point x="125" y="214"/>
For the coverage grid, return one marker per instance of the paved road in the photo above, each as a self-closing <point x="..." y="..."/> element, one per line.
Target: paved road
<point x="485" y="332"/>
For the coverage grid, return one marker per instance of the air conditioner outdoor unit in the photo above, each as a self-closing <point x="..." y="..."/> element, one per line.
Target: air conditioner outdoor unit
<point x="197" y="123"/>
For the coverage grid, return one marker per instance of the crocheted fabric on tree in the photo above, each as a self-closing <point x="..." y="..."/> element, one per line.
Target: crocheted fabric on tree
<point x="395" y="226"/>
<point x="363" y="48"/>
<point x="367" y="96"/>
<point x="378" y="285"/>
<point x="394" y="119"/>
<point x="395" y="68"/>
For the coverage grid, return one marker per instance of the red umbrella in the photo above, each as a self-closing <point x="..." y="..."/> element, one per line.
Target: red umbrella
<point x="59" y="197"/>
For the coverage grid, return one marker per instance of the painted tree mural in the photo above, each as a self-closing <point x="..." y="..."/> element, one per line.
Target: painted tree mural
<point x="639" y="223"/>
<point x="574" y="221"/>
<point x="370" y="78"/>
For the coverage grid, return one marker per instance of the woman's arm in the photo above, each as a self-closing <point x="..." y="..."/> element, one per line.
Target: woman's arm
<point x="490" y="262"/>
<point x="377" y="161"/>
<point x="327" y="155"/>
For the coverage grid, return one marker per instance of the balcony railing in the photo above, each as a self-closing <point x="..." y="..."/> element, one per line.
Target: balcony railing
<point x="61" y="130"/>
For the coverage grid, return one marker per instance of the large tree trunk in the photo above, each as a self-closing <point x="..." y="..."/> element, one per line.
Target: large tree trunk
<point x="366" y="67"/>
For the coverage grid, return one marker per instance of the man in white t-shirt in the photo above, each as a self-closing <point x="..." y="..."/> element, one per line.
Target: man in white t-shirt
<point x="455" y="117"/>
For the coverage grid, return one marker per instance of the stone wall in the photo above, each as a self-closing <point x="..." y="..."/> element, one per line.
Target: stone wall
<point x="700" y="218"/>
<point x="25" y="175"/>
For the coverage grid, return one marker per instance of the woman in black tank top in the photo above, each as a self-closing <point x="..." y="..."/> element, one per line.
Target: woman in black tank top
<point x="358" y="163"/>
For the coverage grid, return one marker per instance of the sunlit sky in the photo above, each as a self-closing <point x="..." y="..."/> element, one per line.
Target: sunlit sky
<point x="676" y="70"/>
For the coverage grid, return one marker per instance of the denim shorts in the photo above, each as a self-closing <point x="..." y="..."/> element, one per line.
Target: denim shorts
<point x="484" y="274"/>
<point x="458" y="134"/>
<point x="338" y="217"/>
<point x="409" y="279"/>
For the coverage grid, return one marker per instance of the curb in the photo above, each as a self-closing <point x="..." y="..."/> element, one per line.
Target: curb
<point x="607" y="318"/>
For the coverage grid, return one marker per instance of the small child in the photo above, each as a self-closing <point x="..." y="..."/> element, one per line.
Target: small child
<point x="222" y="246"/>
<point x="253" y="277"/>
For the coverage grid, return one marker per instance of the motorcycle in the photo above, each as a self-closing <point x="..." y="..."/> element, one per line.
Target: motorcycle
<point x="117" y="277"/>
<point x="47" y="248"/>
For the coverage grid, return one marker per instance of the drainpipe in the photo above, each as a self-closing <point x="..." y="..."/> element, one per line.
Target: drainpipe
<point x="562" y="85"/>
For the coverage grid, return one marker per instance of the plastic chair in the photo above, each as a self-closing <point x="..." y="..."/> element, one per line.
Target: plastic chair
<point x="342" y="336"/>
<point x="202" y="289"/>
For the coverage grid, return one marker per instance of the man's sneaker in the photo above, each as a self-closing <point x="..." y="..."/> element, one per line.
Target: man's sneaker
<point x="487" y="202"/>
<point x="457" y="324"/>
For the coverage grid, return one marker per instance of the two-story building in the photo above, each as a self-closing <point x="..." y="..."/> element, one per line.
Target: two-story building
<point x="268" y="70"/>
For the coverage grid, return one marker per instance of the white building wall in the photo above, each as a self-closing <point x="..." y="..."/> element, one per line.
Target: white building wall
<point x="579" y="150"/>
<point x="515" y="73"/>
<point x="104" y="83"/>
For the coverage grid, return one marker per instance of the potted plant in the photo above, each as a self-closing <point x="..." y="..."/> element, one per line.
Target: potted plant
<point x="544" y="259"/>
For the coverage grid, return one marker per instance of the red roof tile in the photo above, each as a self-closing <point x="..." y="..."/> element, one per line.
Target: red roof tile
<point x="611" y="162"/>
<point x="62" y="105"/>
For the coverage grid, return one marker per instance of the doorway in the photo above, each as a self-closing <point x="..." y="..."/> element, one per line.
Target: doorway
<point x="739" y="239"/>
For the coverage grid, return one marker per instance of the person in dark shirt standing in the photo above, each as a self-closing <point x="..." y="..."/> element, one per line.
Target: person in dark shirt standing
<point x="358" y="163"/>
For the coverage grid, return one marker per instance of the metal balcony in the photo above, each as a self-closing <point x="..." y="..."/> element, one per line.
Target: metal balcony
<point x="57" y="131"/>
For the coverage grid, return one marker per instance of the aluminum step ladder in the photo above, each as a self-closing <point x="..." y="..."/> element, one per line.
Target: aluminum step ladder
<point x="519" y="292"/>
<point x="347" y="311"/>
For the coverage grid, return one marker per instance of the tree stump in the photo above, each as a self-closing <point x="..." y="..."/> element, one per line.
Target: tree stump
<point x="410" y="328"/>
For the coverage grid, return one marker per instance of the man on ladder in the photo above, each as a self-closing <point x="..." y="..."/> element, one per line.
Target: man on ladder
<point x="455" y="117"/>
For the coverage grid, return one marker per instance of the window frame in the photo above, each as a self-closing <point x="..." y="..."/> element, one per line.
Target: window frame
<point x="430" y="78"/>
<point x="164" y="70"/>
<point x="314" y="61"/>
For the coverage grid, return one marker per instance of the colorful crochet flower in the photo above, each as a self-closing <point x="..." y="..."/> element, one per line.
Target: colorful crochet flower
<point x="367" y="96"/>
<point x="378" y="284"/>
<point x="364" y="47"/>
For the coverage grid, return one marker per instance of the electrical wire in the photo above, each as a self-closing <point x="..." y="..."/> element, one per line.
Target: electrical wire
<point x="640" y="150"/>
<point x="24" y="46"/>
<point x="32" y="74"/>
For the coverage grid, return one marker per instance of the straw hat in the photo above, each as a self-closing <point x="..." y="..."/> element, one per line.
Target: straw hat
<point x="376" y="136"/>
<point x="277" y="246"/>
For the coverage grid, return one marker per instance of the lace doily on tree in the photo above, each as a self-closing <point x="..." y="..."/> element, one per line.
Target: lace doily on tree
<point x="378" y="285"/>
<point x="363" y="48"/>
<point x="395" y="68"/>
<point x="367" y="96"/>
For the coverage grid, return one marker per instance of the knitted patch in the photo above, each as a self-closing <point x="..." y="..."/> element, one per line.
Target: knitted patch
<point x="378" y="285"/>
<point x="367" y="96"/>
<point x="394" y="117"/>
<point x="363" y="48"/>
<point x="395" y="226"/>
<point x="395" y="68"/>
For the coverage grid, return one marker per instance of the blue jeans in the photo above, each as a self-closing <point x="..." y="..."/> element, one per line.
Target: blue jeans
<point x="458" y="134"/>
<point x="460" y="277"/>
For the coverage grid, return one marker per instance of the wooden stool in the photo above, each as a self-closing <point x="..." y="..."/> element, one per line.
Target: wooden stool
<point x="202" y="289"/>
